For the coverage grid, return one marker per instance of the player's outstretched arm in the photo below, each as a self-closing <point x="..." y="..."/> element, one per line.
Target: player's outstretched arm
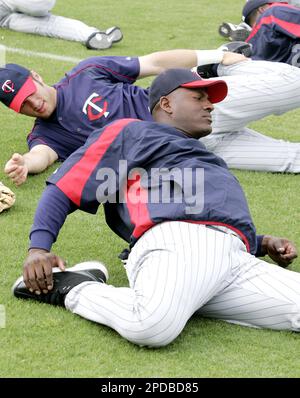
<point x="155" y="63"/>
<point x="35" y="161"/>
<point x="51" y="213"/>
<point x="281" y="250"/>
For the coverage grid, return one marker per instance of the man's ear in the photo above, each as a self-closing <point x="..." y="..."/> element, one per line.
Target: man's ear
<point x="165" y="104"/>
<point x="36" y="76"/>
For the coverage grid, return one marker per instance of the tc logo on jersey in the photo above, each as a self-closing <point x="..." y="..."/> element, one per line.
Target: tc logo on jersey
<point x="8" y="87"/>
<point x="95" y="107"/>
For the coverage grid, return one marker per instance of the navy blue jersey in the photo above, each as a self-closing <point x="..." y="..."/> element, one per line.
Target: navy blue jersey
<point x="276" y="35"/>
<point x="97" y="91"/>
<point x="128" y="164"/>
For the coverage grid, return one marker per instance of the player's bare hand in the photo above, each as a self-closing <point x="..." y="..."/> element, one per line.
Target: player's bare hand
<point x="16" y="169"/>
<point x="230" y="58"/>
<point x="281" y="250"/>
<point x="37" y="270"/>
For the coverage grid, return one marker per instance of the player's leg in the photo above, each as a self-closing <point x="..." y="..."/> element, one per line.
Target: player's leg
<point x="4" y="12"/>
<point x="249" y="150"/>
<point x="173" y="269"/>
<point x="49" y="25"/>
<point x="254" y="67"/>
<point x="36" y="8"/>
<point x="35" y="18"/>
<point x="255" y="89"/>
<point x="262" y="295"/>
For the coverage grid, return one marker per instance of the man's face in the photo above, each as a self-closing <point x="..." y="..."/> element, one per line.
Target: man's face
<point x="191" y="111"/>
<point x="42" y="103"/>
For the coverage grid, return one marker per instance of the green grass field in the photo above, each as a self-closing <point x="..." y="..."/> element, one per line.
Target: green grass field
<point x="44" y="341"/>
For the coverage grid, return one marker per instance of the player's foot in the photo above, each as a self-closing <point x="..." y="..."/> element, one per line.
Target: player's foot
<point x="225" y="29"/>
<point x="98" y="41"/>
<point x="114" y="34"/>
<point x="207" y="71"/>
<point x="63" y="282"/>
<point x="234" y="32"/>
<point x="239" y="47"/>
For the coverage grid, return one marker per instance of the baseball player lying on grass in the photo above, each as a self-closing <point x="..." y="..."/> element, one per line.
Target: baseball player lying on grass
<point x="192" y="251"/>
<point x="242" y="31"/>
<point x="275" y="34"/>
<point x="100" y="90"/>
<point x="33" y="16"/>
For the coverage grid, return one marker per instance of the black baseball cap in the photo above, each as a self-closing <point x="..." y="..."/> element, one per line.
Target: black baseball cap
<point x="16" y="84"/>
<point x="171" y="79"/>
<point x="251" y="5"/>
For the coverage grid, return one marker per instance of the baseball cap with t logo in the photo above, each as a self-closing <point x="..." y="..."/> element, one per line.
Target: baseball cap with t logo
<point x="16" y="84"/>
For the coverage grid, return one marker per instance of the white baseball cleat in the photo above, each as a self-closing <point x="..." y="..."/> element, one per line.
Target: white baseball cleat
<point x="114" y="34"/>
<point x="234" y="32"/>
<point x="104" y="40"/>
<point x="98" y="41"/>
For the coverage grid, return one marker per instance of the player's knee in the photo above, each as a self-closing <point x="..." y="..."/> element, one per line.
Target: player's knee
<point x="295" y="319"/>
<point x="289" y="320"/>
<point x="153" y="334"/>
<point x="38" y="8"/>
<point x="146" y="340"/>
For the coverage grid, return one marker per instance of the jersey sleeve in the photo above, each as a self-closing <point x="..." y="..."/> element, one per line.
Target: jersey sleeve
<point x="115" y="69"/>
<point x="51" y="135"/>
<point x="259" y="250"/>
<point x="50" y="216"/>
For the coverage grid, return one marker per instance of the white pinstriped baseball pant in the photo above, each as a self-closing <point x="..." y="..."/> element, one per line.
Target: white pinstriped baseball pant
<point x="177" y="269"/>
<point x="33" y="16"/>
<point x="256" y="89"/>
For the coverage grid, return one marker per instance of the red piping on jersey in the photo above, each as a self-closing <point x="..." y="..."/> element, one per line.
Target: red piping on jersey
<point x="290" y="27"/>
<point x="73" y="182"/>
<point x="36" y="139"/>
<point x="136" y="201"/>
<point x="69" y="77"/>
